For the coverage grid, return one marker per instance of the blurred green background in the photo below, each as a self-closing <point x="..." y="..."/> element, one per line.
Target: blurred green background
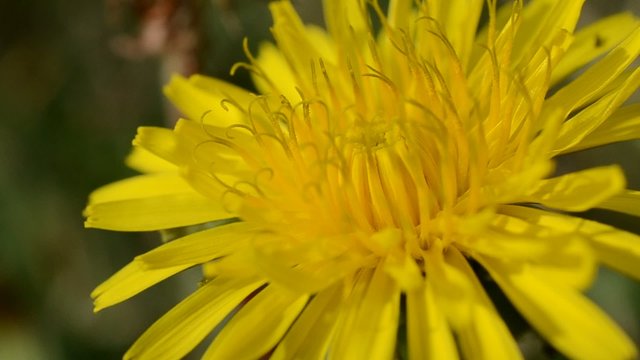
<point x="76" y="79"/>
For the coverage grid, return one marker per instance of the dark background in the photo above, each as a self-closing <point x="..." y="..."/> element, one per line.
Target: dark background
<point x="76" y="79"/>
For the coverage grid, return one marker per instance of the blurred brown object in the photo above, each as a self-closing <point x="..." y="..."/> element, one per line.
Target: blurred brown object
<point x="165" y="28"/>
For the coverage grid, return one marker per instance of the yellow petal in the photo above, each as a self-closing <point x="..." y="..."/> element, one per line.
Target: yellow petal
<point x="542" y="20"/>
<point x="183" y="327"/>
<point x="209" y="145"/>
<point x="296" y="48"/>
<point x="627" y="202"/>
<point x="504" y="20"/>
<point x="514" y="186"/>
<point x="237" y="264"/>
<point x="593" y="41"/>
<point x="487" y="337"/>
<point x="495" y="243"/>
<point x="615" y="248"/>
<point x="454" y="291"/>
<point x="199" y="157"/>
<point x="258" y="325"/>
<point x="146" y="162"/>
<point x="161" y="143"/>
<point x="369" y="322"/>
<point x="460" y="18"/>
<point x="484" y="335"/>
<point x="428" y="333"/>
<point x="129" y="281"/>
<point x="578" y="191"/>
<point x="310" y="278"/>
<point x="586" y="121"/>
<point x="139" y="187"/>
<point x="622" y="125"/>
<point x="574" y="265"/>
<point x="200" y="105"/>
<point x="515" y="239"/>
<point x="563" y="255"/>
<point x="564" y="317"/>
<point x="404" y="271"/>
<point x="322" y="43"/>
<point x="278" y="77"/>
<point x="305" y="268"/>
<point x="309" y="336"/>
<point x="589" y="85"/>
<point x="200" y="247"/>
<point x="155" y="213"/>
<point x="346" y="22"/>
<point x="199" y="149"/>
<point x="204" y="183"/>
<point x="223" y="89"/>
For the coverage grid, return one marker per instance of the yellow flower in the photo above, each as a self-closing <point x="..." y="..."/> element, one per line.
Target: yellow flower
<point x="372" y="170"/>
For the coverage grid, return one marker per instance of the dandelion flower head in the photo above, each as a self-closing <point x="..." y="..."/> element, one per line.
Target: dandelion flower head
<point x="369" y="173"/>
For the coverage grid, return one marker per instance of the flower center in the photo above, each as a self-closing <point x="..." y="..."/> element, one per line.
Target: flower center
<point x="371" y="136"/>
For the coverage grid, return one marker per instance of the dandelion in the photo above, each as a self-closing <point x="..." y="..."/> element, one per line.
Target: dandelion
<point x="372" y="170"/>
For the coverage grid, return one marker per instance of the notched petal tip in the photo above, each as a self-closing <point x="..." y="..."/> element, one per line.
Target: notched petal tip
<point x="97" y="307"/>
<point x="174" y="80"/>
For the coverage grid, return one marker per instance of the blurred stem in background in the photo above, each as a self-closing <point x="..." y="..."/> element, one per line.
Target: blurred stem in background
<point x="166" y="29"/>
